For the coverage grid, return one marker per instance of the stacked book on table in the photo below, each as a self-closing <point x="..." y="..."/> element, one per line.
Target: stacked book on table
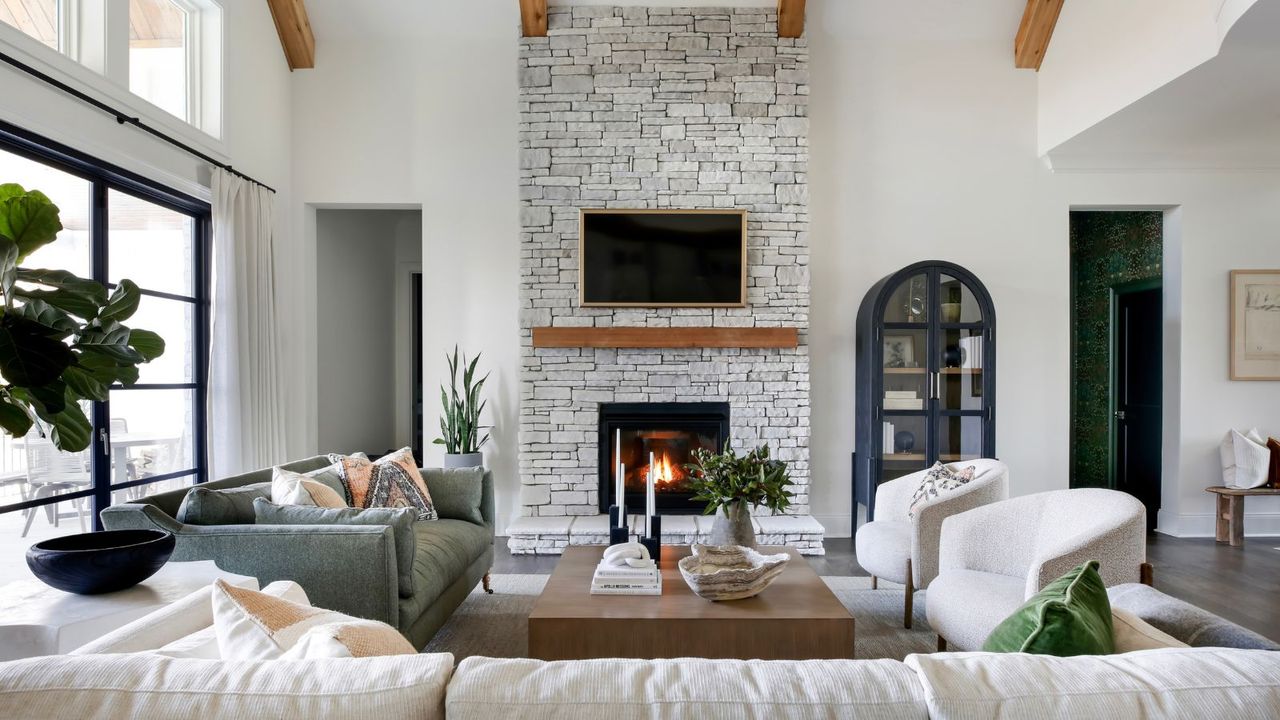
<point x="610" y="579"/>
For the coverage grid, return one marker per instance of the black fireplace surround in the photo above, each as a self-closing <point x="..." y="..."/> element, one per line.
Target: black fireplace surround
<point x="669" y="430"/>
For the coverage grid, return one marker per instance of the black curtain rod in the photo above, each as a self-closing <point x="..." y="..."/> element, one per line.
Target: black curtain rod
<point x="124" y="119"/>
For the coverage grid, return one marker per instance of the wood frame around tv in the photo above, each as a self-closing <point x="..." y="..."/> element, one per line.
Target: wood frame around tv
<point x="582" y="216"/>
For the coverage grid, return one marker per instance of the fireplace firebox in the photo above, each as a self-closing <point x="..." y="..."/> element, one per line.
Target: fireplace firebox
<point x="671" y="432"/>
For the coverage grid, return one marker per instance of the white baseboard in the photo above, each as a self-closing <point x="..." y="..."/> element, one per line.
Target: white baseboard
<point x="1204" y="525"/>
<point x="837" y="526"/>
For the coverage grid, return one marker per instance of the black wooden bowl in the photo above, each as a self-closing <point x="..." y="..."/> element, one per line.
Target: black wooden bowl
<point x="100" y="562"/>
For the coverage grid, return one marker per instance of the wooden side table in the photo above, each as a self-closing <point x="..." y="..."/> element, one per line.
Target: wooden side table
<point x="1230" y="515"/>
<point x="36" y="619"/>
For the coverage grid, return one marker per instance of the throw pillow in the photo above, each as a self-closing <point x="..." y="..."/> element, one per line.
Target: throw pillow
<point x="1245" y="459"/>
<point x="227" y="506"/>
<point x="294" y="488"/>
<point x="1130" y="633"/>
<point x="939" y="480"/>
<point x="351" y="639"/>
<point x="251" y="625"/>
<point x="1070" y="616"/>
<point x="456" y="492"/>
<point x="400" y="520"/>
<point x="390" y="481"/>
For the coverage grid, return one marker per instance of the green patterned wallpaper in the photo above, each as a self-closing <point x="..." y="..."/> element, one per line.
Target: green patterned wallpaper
<point x="1107" y="249"/>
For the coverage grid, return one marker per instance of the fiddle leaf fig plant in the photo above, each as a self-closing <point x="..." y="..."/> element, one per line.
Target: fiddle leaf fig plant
<point x="725" y="479"/>
<point x="460" y="428"/>
<point x="62" y="337"/>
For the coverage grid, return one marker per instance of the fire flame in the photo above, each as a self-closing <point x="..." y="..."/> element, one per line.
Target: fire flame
<point x="664" y="472"/>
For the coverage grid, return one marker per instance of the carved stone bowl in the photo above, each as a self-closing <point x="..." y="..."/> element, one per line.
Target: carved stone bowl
<point x="730" y="572"/>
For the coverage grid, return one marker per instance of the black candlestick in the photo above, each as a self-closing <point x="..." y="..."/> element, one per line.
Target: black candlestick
<point x="653" y="543"/>
<point x="618" y="531"/>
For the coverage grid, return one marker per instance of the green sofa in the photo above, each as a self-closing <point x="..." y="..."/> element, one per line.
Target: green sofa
<point x="348" y="568"/>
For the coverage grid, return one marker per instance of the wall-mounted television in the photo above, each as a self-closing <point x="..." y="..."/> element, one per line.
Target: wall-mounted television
<point x="663" y="258"/>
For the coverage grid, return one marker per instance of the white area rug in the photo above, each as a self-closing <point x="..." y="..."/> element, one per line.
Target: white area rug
<point x="497" y="625"/>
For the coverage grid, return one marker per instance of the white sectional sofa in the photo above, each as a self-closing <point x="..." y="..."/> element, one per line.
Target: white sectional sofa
<point x="123" y="675"/>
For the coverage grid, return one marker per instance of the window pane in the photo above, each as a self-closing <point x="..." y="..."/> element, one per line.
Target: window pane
<point x="152" y="433"/>
<point x="150" y="245"/>
<point x="37" y="18"/>
<point x="158" y="54"/>
<point x="21" y="529"/>
<point x="72" y="195"/>
<point x="174" y="321"/>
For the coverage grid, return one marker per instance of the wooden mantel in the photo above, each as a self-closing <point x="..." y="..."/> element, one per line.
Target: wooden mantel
<point x="666" y="337"/>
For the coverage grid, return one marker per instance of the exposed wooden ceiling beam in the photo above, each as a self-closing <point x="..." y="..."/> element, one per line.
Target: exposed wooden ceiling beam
<point x="790" y="18"/>
<point x="295" y="32"/>
<point x="533" y="18"/>
<point x="1038" y="21"/>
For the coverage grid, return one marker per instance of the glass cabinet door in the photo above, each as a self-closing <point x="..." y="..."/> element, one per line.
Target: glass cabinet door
<point x="960" y="362"/>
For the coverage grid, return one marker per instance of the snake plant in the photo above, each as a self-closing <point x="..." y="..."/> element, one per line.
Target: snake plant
<point x="460" y="426"/>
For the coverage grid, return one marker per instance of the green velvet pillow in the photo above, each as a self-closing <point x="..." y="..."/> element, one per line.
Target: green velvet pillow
<point x="456" y="492"/>
<point x="1070" y="616"/>
<point x="400" y="520"/>
<point x="229" y="506"/>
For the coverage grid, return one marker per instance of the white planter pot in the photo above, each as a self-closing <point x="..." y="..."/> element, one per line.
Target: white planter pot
<point x="466" y="460"/>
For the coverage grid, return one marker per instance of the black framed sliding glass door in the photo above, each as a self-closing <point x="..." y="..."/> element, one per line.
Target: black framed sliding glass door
<point x="149" y="436"/>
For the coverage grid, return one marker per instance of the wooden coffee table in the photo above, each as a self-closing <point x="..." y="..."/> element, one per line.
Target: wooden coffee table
<point x="795" y="618"/>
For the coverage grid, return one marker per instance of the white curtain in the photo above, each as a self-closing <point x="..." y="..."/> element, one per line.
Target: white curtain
<point x="246" y="390"/>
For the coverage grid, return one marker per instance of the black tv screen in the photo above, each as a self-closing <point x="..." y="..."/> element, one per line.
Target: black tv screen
<point x="663" y="258"/>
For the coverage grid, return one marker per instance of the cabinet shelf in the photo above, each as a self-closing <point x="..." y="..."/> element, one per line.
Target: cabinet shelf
<point x="905" y="371"/>
<point x="903" y="457"/>
<point x="961" y="371"/>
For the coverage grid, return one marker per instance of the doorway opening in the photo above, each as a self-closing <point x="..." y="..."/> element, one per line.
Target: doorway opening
<point x="1117" y="320"/>
<point x="368" y="308"/>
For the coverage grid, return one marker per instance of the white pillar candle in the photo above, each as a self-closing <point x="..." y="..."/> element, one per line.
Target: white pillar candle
<point x="620" y="494"/>
<point x="650" y="501"/>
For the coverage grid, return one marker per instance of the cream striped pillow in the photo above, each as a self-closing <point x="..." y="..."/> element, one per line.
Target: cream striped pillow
<point x="251" y="625"/>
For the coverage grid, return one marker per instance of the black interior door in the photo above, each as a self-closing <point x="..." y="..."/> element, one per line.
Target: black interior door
<point x="1137" y="392"/>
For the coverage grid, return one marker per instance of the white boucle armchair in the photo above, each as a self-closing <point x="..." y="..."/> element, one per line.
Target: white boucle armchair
<point x="904" y="549"/>
<point x="993" y="558"/>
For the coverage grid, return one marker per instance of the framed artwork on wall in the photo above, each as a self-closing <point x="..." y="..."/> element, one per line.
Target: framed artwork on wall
<point x="1255" y="324"/>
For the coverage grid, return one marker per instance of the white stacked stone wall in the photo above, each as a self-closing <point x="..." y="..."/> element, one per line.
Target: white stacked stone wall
<point x="660" y="108"/>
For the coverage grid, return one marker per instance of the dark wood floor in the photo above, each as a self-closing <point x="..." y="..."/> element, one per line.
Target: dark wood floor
<point x="1240" y="584"/>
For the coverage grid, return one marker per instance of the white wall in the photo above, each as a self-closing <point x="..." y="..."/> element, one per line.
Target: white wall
<point x="925" y="148"/>
<point x="362" y="398"/>
<point x="1105" y="55"/>
<point x="428" y="118"/>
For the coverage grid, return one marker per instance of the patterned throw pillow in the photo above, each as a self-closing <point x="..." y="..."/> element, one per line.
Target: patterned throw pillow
<point x="252" y="625"/>
<point x="939" y="479"/>
<point x="390" y="481"/>
<point x="292" y="488"/>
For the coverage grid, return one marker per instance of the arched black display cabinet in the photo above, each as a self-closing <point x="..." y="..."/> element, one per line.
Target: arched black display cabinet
<point x="926" y="380"/>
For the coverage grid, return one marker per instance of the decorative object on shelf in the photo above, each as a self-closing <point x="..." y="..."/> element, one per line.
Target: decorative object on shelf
<point x="100" y="562"/>
<point x="627" y="569"/>
<point x="900" y="351"/>
<point x="934" y="378"/>
<point x="64" y="341"/>
<point x="904" y="441"/>
<point x="917" y="308"/>
<point x="732" y="485"/>
<point x="952" y="304"/>
<point x="730" y="572"/>
<point x="461" y="432"/>
<point x="1255" y="324"/>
